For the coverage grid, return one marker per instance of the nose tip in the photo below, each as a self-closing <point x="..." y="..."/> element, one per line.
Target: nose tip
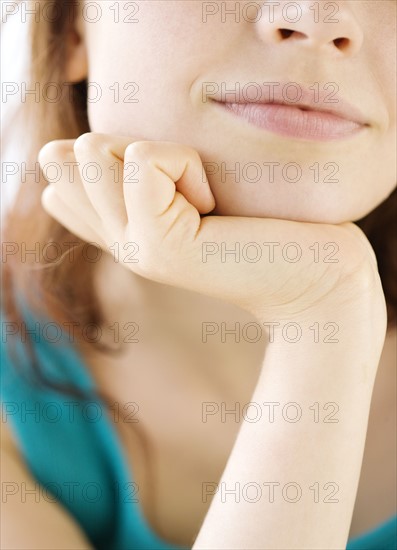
<point x="310" y="25"/>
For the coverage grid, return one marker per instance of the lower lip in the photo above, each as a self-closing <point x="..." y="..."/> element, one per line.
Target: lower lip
<point x="289" y="120"/>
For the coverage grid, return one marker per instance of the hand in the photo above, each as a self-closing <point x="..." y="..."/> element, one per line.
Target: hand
<point x="159" y="201"/>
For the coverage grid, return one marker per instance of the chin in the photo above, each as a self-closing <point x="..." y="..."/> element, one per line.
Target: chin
<point x="308" y="207"/>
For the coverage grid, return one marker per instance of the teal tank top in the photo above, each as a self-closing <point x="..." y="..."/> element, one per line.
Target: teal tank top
<point x="75" y="456"/>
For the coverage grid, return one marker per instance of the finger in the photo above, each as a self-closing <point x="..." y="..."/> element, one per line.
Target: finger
<point x="101" y="171"/>
<point x="59" y="165"/>
<point x="55" y="207"/>
<point x="168" y="173"/>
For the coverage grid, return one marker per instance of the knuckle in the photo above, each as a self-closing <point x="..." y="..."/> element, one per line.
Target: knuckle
<point x="90" y="141"/>
<point x="51" y="151"/>
<point x="139" y="149"/>
<point x="84" y="142"/>
<point x="194" y="155"/>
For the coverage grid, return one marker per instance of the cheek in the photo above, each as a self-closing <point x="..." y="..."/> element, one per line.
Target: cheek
<point x="124" y="88"/>
<point x="145" y="71"/>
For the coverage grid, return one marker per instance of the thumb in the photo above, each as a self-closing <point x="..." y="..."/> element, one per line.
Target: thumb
<point x="179" y="163"/>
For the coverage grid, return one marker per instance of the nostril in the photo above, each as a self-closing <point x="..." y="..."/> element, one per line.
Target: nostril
<point x="285" y="33"/>
<point x="341" y="43"/>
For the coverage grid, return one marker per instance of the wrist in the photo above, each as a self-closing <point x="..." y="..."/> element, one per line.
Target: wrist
<point x="350" y="319"/>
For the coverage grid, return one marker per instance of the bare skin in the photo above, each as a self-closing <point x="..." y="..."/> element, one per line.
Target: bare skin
<point x="193" y="456"/>
<point x="165" y="363"/>
<point x="161" y="213"/>
<point x="181" y="465"/>
<point x="355" y="292"/>
<point x="378" y="474"/>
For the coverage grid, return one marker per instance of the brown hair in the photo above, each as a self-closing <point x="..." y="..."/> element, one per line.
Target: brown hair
<point x="56" y="289"/>
<point x="60" y="291"/>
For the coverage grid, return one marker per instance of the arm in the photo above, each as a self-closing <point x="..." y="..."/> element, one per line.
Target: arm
<point x="26" y="523"/>
<point x="162" y="212"/>
<point x="306" y="452"/>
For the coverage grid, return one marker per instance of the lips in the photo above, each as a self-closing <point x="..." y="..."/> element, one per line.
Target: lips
<point x="310" y="114"/>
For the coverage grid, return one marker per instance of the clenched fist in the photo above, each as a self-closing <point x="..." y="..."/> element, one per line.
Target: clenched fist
<point x="155" y="196"/>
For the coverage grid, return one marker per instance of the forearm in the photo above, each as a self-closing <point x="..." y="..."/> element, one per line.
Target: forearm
<point x="308" y="453"/>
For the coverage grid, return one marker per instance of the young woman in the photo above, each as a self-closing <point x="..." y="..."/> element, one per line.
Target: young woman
<point x="198" y="342"/>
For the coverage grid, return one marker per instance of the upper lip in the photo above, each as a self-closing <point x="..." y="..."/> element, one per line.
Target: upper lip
<point x="309" y="99"/>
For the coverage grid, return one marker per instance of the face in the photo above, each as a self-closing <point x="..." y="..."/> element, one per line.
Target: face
<point x="291" y="106"/>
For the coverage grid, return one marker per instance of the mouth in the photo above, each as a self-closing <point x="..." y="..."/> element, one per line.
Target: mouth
<point x="307" y="119"/>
